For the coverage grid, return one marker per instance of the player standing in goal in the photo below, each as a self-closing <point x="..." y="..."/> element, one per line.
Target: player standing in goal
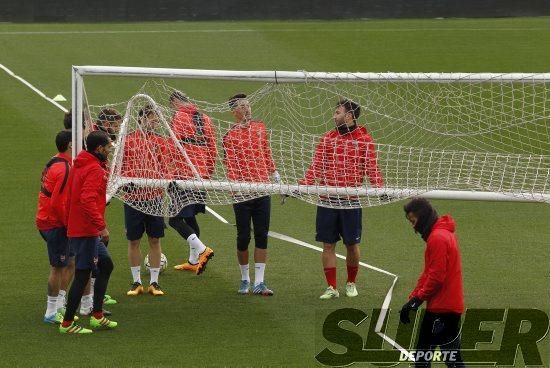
<point x="343" y="157"/>
<point x="248" y="158"/>
<point x="196" y="133"/>
<point x="109" y="121"/>
<point x="440" y="284"/>
<point x="50" y="221"/>
<point x="86" y="228"/>
<point x="143" y="158"/>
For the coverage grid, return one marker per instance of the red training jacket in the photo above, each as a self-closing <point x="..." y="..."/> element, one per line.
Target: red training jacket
<point x="196" y="133"/>
<point x="143" y="158"/>
<point x="343" y="160"/>
<point x="247" y="153"/>
<point x="87" y="196"/>
<point x="441" y="281"/>
<point x="51" y="210"/>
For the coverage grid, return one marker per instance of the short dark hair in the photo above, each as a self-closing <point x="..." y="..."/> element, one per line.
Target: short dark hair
<point x="425" y="213"/>
<point x="232" y="102"/>
<point x="145" y="110"/>
<point x="95" y="139"/>
<point x="62" y="140"/>
<point x="68" y="119"/>
<point x="178" y="95"/>
<point x="108" y="114"/>
<point x="350" y="106"/>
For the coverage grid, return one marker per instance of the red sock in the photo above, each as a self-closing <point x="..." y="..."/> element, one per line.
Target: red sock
<point x="98" y="315"/>
<point x="330" y="275"/>
<point x="66" y="323"/>
<point x="352" y="273"/>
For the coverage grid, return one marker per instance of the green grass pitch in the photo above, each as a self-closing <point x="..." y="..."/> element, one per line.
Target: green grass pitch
<point x="202" y="321"/>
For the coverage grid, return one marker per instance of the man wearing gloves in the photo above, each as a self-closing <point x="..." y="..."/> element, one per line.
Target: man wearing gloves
<point x="440" y="284"/>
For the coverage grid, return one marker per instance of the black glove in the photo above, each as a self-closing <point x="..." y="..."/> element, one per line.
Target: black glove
<point x="172" y="188"/>
<point x="385" y="198"/>
<point x="129" y="188"/>
<point x="294" y="194"/>
<point x="412" y="304"/>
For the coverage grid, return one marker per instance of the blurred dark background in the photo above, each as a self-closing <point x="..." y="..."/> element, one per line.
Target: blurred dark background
<point x="144" y="10"/>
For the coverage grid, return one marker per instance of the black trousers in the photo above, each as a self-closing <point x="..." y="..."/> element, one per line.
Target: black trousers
<point x="443" y="330"/>
<point x="258" y="211"/>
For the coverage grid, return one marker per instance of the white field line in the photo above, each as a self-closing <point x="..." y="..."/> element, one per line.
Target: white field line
<point x="289" y="239"/>
<point x="217" y="215"/>
<point x="40" y="93"/>
<point x="387" y="300"/>
<point x="273" y="234"/>
<point x="278" y="30"/>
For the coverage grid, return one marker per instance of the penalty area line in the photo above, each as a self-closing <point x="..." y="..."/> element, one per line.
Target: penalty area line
<point x="387" y="300"/>
<point x="217" y="215"/>
<point x="36" y="90"/>
<point x="289" y="239"/>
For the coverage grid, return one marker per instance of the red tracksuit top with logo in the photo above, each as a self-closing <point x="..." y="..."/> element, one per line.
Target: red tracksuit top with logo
<point x="441" y="281"/>
<point x="196" y="133"/>
<point x="343" y="160"/>
<point x="247" y="153"/>
<point x="87" y="196"/>
<point x="143" y="157"/>
<point x="51" y="209"/>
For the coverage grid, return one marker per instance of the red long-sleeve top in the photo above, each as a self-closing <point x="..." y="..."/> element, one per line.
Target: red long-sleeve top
<point x="51" y="209"/>
<point x="247" y="155"/>
<point x="343" y="160"/>
<point x="86" y="199"/>
<point x="145" y="157"/>
<point x="440" y="284"/>
<point x="196" y="133"/>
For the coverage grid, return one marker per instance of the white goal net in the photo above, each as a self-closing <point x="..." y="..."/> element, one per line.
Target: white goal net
<point x="480" y="136"/>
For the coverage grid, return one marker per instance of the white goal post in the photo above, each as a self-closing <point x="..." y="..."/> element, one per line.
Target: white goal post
<point x="443" y="126"/>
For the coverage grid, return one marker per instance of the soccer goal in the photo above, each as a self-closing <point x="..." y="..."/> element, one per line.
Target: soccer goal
<point x="440" y="135"/>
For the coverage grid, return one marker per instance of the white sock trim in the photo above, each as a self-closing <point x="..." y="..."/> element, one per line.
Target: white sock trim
<point x="245" y="272"/>
<point x="196" y="247"/>
<point x="136" y="273"/>
<point x="154" y="275"/>
<point x="259" y="270"/>
<point x="51" y="306"/>
<point x="61" y="299"/>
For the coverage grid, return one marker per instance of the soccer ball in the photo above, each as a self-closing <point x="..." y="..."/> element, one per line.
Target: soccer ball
<point x="163" y="262"/>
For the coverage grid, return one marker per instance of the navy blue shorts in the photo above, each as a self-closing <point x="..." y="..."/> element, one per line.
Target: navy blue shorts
<point x="191" y="210"/>
<point x="137" y="222"/>
<point x="58" y="246"/>
<point x="334" y="224"/>
<point x="179" y="196"/>
<point x="88" y="250"/>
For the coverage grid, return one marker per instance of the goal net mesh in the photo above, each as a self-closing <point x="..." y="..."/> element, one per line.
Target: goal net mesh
<point x="489" y="136"/>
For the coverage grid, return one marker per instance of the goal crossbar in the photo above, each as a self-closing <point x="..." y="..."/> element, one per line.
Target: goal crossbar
<point x="295" y="189"/>
<point x="303" y="76"/>
<point x="78" y="72"/>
